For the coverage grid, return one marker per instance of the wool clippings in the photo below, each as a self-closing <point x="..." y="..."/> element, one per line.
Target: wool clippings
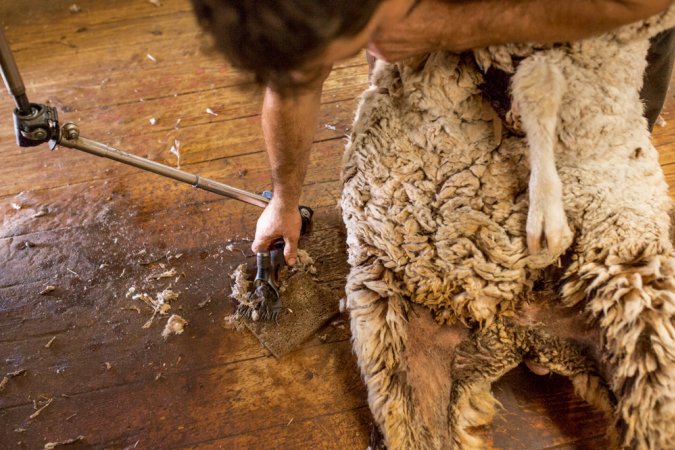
<point x="175" y="150"/>
<point x="41" y="212"/>
<point x="40" y="409"/>
<point x="304" y="262"/>
<point x="167" y="296"/>
<point x="9" y="376"/>
<point x="160" y="305"/>
<point x="47" y="290"/>
<point x="175" y="325"/>
<point x="51" y="341"/>
<point x="166" y="274"/>
<point x="53" y="445"/>
<point x="241" y="286"/>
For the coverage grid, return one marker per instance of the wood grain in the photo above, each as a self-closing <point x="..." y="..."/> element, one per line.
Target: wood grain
<point x="107" y="228"/>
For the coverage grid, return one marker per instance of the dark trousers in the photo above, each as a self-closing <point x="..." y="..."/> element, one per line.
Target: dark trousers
<point x="657" y="76"/>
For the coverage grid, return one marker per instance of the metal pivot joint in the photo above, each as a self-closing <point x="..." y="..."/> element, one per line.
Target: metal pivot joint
<point x="39" y="126"/>
<point x="34" y="124"/>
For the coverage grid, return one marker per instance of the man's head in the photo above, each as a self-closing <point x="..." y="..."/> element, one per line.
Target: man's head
<point x="276" y="38"/>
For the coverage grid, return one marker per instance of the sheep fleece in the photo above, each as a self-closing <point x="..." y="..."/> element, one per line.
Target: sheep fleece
<point x="435" y="203"/>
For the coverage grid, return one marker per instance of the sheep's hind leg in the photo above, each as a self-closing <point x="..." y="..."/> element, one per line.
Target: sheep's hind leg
<point x="379" y="324"/>
<point x="537" y="89"/>
<point x="478" y="362"/>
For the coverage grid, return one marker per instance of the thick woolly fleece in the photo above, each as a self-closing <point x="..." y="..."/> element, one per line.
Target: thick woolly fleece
<point x="435" y="202"/>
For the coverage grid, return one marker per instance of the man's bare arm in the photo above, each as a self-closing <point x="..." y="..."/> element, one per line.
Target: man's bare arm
<point x="465" y="24"/>
<point x="289" y="121"/>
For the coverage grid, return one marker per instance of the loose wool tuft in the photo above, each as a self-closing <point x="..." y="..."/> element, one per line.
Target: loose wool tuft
<point x="435" y="201"/>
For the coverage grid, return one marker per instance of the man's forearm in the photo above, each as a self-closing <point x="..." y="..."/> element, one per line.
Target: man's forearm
<point x="462" y="25"/>
<point x="289" y="122"/>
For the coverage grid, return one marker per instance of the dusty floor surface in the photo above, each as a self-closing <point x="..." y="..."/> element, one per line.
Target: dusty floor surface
<point x="132" y="75"/>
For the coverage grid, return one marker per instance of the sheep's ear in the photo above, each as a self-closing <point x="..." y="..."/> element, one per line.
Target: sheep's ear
<point x="647" y="28"/>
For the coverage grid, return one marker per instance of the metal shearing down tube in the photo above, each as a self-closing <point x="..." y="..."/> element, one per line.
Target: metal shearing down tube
<point x="12" y="77"/>
<point x="36" y="124"/>
<point x="70" y="137"/>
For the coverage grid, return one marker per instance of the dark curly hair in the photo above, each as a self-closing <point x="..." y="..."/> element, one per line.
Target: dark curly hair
<point x="270" y="38"/>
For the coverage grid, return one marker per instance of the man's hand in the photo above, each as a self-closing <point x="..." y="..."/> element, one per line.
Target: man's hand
<point x="278" y="221"/>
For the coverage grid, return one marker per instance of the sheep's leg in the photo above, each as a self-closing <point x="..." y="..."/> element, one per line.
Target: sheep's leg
<point x="379" y="324"/>
<point x="629" y="289"/>
<point x="537" y="89"/>
<point x="478" y="362"/>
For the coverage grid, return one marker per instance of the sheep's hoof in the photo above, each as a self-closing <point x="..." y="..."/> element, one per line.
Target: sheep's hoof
<point x="548" y="231"/>
<point x="536" y="368"/>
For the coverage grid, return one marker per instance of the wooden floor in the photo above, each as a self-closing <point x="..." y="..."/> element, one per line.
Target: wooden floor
<point x="93" y="229"/>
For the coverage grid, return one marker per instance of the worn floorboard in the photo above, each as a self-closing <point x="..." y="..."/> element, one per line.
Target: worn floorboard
<point x="104" y="228"/>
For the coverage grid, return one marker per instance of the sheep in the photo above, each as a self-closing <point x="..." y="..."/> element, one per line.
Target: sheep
<point x="435" y="201"/>
<point x="539" y="90"/>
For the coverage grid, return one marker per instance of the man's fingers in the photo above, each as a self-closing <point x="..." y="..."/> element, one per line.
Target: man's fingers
<point x="262" y="244"/>
<point x="290" y="250"/>
<point x="290" y="247"/>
